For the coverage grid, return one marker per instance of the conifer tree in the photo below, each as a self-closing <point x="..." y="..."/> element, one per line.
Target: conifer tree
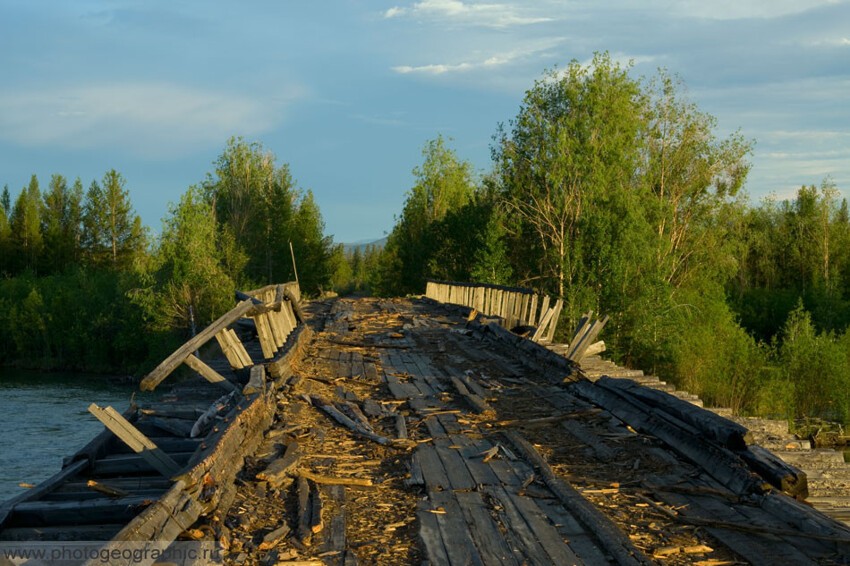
<point x="26" y="237"/>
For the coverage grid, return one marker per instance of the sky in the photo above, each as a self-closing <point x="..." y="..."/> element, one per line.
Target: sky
<point x="347" y="92"/>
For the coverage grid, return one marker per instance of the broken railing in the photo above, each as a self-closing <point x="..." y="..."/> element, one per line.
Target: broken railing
<point x="275" y="311"/>
<point x="516" y="306"/>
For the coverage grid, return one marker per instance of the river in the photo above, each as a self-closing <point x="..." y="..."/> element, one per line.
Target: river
<point x="44" y="417"/>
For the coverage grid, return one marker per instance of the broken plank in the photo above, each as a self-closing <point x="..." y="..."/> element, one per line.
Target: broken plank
<point x="276" y="473"/>
<point x="401" y="427"/>
<point x="330" y="410"/>
<point x="433" y="471"/>
<point x="137" y="441"/>
<point x="304" y="532"/>
<point x="171" y="363"/>
<point x="478" y="404"/>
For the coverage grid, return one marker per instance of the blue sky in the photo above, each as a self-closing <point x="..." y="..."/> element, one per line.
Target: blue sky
<point x="348" y="91"/>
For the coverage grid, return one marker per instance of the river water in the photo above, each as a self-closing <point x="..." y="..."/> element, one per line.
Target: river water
<point x="44" y="417"/>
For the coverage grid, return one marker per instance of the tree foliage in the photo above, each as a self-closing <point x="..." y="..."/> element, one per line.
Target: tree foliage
<point x="259" y="206"/>
<point x="82" y="289"/>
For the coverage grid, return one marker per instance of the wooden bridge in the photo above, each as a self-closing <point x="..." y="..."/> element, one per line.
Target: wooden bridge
<point x="408" y="431"/>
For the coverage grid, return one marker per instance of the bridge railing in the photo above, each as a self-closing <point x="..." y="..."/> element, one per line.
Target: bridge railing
<point x="516" y="306"/>
<point x="276" y="313"/>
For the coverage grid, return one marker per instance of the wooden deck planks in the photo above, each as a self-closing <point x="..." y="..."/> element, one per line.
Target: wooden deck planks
<point x="453" y="529"/>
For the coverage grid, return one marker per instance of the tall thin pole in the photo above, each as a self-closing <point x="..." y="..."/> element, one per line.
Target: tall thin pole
<point x="295" y="269"/>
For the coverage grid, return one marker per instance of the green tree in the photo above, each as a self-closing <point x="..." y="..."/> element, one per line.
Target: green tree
<point x="61" y="224"/>
<point x="26" y="238"/>
<point x="815" y="368"/>
<point x="490" y="260"/>
<point x="190" y="283"/>
<point x="261" y="211"/>
<point x="6" y="201"/>
<point x="566" y="166"/>
<point x="5" y="233"/>
<point x="313" y="250"/>
<point x="113" y="234"/>
<point x="693" y="176"/>
<point x="253" y="200"/>
<point x="124" y="231"/>
<point x="443" y="184"/>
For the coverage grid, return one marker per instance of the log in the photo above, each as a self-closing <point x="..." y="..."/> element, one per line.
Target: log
<point x="781" y="475"/>
<point x="719" y="462"/>
<point x="726" y="433"/>
<point x="244" y="357"/>
<point x="229" y="349"/>
<point x="171" y="363"/>
<point x="265" y="335"/>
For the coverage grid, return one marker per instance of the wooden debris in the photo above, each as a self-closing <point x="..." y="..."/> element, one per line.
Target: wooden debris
<point x="272" y="538"/>
<point x="304" y="531"/>
<point x="668" y="551"/>
<point x="611" y="538"/>
<point x="331" y="480"/>
<point x="328" y="408"/>
<point x="171" y="363"/>
<point x="276" y="472"/>
<point x="401" y="427"/>
<point x="478" y="404"/>
<point x="105" y="489"/>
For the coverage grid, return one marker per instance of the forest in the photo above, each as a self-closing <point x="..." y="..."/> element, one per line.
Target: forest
<point x="86" y="287"/>
<point x="613" y="192"/>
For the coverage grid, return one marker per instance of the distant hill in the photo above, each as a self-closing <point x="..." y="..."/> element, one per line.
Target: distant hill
<point x="363" y="244"/>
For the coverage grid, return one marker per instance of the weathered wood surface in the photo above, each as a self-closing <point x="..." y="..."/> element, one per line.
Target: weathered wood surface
<point x="133" y="506"/>
<point x="547" y="477"/>
<point x="135" y="440"/>
<point x="171" y="363"/>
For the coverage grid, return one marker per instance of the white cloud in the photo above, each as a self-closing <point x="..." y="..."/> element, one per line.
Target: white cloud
<point x="835" y="42"/>
<point x="529" y="50"/>
<point x="145" y="118"/>
<point x="458" y="12"/>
